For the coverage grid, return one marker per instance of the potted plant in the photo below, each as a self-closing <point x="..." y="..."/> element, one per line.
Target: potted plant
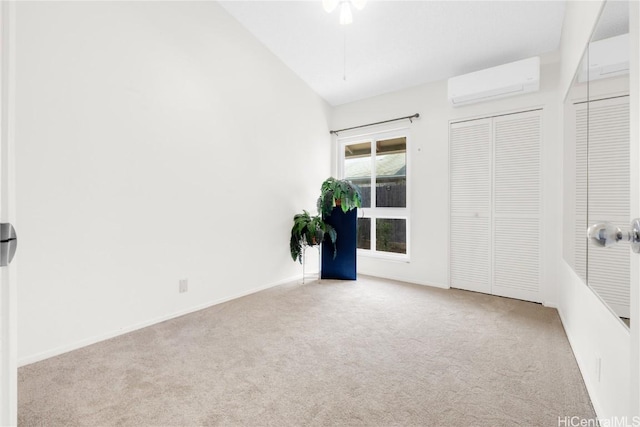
<point x="337" y="203"/>
<point x="309" y="230"/>
<point x="338" y="192"/>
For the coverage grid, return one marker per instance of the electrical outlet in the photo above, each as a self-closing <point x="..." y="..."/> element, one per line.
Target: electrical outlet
<point x="183" y="285"/>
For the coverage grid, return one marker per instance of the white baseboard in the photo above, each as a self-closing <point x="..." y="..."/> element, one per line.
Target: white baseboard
<point x="92" y="340"/>
<point x="583" y="369"/>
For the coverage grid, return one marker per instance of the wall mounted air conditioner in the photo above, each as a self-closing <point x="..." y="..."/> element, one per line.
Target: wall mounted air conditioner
<point x="505" y="80"/>
<point x="607" y="58"/>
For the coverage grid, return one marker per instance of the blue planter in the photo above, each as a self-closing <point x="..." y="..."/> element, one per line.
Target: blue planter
<point x="344" y="264"/>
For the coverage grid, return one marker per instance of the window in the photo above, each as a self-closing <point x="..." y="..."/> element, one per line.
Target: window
<point x="378" y="165"/>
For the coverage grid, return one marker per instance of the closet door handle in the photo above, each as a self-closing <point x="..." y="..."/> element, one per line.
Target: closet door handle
<point x="605" y="234"/>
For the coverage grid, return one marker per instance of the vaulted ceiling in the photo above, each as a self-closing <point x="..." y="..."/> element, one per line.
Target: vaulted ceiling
<point x="392" y="45"/>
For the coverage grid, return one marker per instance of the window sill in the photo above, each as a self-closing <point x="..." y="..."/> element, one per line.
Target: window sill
<point x="386" y="256"/>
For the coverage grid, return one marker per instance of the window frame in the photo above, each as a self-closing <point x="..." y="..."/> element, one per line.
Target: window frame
<point x="374" y="212"/>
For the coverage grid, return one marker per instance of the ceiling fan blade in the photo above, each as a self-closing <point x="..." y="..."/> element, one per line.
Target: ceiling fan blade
<point x="329" y="5"/>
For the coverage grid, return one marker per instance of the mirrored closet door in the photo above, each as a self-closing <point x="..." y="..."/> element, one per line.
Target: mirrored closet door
<point x="597" y="132"/>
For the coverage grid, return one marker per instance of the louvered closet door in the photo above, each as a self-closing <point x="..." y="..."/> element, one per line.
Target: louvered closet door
<point x="517" y="206"/>
<point x="608" y="187"/>
<point x="470" y="205"/>
<point x="495" y="215"/>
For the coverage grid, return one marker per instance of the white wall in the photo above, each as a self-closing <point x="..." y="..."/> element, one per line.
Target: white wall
<point x="429" y="171"/>
<point x="156" y="141"/>
<point x="595" y="333"/>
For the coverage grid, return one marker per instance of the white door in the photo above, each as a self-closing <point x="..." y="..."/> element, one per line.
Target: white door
<point x="517" y="201"/>
<point x="8" y="299"/>
<point x="470" y="145"/>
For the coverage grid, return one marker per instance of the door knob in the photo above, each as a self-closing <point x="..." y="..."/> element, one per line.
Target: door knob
<point x="8" y="243"/>
<point x="605" y="234"/>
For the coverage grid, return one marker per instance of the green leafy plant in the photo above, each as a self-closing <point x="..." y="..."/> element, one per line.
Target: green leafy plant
<point x="309" y="230"/>
<point x="338" y="192"/>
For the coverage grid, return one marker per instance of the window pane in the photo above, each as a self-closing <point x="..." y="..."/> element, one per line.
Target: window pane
<point x="357" y="169"/>
<point x="391" y="173"/>
<point x="391" y="235"/>
<point x="364" y="233"/>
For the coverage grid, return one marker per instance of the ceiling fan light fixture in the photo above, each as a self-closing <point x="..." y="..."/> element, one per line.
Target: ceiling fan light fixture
<point x="346" y="17"/>
<point x="330" y="5"/>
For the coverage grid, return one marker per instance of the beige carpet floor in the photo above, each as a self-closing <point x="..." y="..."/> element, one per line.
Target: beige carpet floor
<point x="369" y="352"/>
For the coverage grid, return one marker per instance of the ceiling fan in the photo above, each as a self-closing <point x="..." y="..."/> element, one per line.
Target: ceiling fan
<point x="346" y="15"/>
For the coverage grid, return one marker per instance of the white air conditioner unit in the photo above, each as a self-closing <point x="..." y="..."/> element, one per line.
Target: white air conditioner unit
<point x="505" y="80"/>
<point x="607" y="58"/>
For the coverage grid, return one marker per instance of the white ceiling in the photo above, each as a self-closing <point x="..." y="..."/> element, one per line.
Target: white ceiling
<point x="393" y="45"/>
